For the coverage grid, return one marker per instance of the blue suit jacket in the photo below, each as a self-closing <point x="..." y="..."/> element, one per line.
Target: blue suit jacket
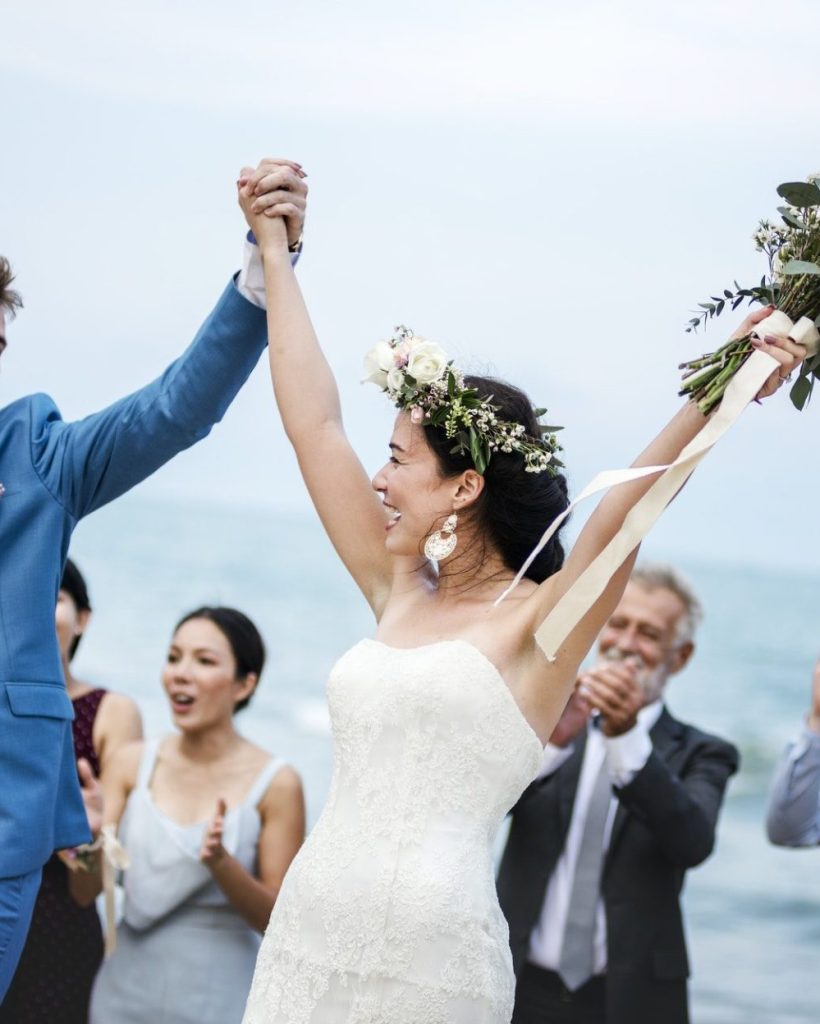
<point x="54" y="473"/>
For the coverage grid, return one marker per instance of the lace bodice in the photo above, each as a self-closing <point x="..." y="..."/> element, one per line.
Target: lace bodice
<point x="389" y="915"/>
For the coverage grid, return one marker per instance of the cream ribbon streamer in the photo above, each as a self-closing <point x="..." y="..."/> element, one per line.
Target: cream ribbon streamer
<point x="592" y="582"/>
<point x="114" y="858"/>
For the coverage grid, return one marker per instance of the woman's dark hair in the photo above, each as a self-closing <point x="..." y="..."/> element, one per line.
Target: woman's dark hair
<point x="515" y="507"/>
<point x="75" y="586"/>
<point x="244" y="638"/>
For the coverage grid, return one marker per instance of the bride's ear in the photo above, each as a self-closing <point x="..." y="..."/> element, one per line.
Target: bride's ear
<point x="470" y="487"/>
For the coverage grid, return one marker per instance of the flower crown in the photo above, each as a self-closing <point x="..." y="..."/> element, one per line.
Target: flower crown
<point x="417" y="375"/>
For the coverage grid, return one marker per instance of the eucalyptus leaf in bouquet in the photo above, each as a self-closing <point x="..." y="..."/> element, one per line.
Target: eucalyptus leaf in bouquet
<point x="792" y="285"/>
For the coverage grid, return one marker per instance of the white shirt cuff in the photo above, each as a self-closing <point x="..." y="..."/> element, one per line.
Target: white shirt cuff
<point x="251" y="280"/>
<point x="627" y="754"/>
<point x="554" y="757"/>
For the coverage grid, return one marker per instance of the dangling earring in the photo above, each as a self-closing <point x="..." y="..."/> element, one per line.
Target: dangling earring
<point x="443" y="542"/>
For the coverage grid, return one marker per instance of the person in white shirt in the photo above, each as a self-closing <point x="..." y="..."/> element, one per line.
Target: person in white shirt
<point x="794" y="805"/>
<point x="626" y="800"/>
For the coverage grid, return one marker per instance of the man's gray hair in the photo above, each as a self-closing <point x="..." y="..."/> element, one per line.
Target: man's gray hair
<point x="656" y="575"/>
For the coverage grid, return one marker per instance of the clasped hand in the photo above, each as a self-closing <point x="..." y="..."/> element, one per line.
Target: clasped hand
<point x="273" y="197"/>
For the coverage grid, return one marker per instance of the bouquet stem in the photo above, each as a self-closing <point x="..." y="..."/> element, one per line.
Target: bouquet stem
<point x="707" y="377"/>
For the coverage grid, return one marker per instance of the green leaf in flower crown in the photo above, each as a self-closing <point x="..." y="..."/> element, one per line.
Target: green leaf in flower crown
<point x="801" y="267"/>
<point x="800" y="193"/>
<point x="792" y="220"/>
<point x="801" y="389"/>
<point x="476" y="453"/>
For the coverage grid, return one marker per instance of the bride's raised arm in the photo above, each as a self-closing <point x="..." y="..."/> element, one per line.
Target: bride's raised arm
<point x="609" y="516"/>
<point x="308" y="401"/>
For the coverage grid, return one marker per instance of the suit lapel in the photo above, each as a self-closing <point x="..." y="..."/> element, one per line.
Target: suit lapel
<point x="665" y="735"/>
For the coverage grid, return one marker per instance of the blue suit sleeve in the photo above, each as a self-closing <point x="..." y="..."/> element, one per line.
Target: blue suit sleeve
<point x="92" y="461"/>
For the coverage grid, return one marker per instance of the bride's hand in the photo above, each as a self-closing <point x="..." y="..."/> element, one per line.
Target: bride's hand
<point x="787" y="352"/>
<point x="272" y="195"/>
<point x="784" y="350"/>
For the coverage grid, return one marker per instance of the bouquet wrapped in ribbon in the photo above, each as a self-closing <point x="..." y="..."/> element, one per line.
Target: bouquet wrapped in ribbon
<point x="792" y="286"/>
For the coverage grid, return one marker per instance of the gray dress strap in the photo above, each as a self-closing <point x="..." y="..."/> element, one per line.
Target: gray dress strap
<point x="262" y="781"/>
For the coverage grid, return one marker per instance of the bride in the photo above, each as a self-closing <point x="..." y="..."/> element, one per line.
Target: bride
<point x="388" y="914"/>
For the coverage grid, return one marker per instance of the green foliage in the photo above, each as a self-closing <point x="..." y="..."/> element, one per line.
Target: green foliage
<point x="803" y="194"/>
<point x="801" y="391"/>
<point x="800" y="267"/>
<point x="763" y="294"/>
<point x="791" y="218"/>
<point x="792" y="286"/>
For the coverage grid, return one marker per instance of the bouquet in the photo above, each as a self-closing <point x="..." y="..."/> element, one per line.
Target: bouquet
<point x="792" y="286"/>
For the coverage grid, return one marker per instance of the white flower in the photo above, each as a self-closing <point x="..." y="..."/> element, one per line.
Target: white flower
<point x="377" y="363"/>
<point x="427" y="362"/>
<point x="395" y="380"/>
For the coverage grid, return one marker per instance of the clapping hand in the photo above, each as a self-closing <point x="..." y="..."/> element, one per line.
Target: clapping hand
<point x="212" y="851"/>
<point x="612" y="689"/>
<point x="273" y="196"/>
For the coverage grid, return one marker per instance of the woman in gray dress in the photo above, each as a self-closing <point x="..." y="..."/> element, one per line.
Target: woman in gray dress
<point x="211" y="823"/>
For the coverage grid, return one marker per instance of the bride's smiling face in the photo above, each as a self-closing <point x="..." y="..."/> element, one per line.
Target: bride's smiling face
<point x="415" y="494"/>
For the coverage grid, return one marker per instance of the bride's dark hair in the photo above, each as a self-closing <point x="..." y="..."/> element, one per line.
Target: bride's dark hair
<point x="515" y="507"/>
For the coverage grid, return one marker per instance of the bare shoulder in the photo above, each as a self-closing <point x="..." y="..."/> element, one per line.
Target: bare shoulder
<point x="284" y="791"/>
<point x="118" y="707"/>
<point x="113" y="701"/>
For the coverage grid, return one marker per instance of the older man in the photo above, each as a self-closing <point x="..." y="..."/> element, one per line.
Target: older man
<point x="53" y="473"/>
<point x="626" y="800"/>
<point x="794" y="804"/>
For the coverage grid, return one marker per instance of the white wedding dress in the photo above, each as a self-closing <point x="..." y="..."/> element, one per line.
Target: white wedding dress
<point x="388" y="915"/>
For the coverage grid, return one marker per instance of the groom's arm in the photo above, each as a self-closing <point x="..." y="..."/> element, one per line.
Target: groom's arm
<point x="92" y="461"/>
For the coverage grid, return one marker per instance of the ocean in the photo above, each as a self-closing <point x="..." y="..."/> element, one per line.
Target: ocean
<point x="753" y="911"/>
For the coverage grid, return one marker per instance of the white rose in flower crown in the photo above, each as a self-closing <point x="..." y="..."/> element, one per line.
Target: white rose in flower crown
<point x="427" y="362"/>
<point x="395" y="380"/>
<point x="377" y="364"/>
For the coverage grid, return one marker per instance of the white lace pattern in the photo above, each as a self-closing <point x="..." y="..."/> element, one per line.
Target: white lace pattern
<point x="389" y="915"/>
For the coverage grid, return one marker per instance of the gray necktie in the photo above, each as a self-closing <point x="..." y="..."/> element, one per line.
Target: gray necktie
<point x="578" y="947"/>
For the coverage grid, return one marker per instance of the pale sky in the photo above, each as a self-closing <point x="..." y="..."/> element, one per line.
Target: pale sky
<point x="544" y="189"/>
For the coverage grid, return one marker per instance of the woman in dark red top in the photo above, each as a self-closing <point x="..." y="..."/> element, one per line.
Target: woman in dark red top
<point x="64" y="947"/>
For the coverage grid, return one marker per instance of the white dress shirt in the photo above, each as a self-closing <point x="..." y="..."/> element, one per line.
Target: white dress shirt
<point x="251" y="280"/>
<point x="625" y="756"/>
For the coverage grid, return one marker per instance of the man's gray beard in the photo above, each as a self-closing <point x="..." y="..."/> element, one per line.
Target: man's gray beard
<point x="651" y="681"/>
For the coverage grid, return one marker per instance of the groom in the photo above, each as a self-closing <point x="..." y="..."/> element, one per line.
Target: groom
<point x="53" y="473"/>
